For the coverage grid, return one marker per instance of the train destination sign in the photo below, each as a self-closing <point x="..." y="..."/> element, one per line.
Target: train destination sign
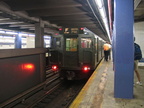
<point x="71" y="31"/>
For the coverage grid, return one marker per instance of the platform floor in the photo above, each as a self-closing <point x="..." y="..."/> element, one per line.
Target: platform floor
<point x="99" y="91"/>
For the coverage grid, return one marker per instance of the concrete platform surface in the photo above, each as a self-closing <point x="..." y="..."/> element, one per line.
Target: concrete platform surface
<point x="99" y="91"/>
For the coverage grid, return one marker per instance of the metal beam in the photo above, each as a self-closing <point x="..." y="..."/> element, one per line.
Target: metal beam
<point x="74" y="21"/>
<point x="56" y="12"/>
<point x="136" y="3"/>
<point x="5" y="8"/>
<point x="78" y="25"/>
<point x="10" y="22"/>
<point x="68" y="17"/>
<point x="21" y="25"/>
<point x="26" y="5"/>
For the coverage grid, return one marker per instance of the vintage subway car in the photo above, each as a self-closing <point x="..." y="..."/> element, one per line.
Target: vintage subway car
<point x="75" y="52"/>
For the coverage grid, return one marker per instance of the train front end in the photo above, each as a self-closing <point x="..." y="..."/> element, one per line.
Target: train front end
<point x="75" y="58"/>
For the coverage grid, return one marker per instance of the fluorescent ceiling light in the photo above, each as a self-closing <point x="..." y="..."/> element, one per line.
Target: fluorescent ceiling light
<point x="48" y="37"/>
<point x="8" y="32"/>
<point x="23" y="34"/>
<point x="102" y="12"/>
<point x="99" y="3"/>
<point x="31" y="35"/>
<point x="1" y="31"/>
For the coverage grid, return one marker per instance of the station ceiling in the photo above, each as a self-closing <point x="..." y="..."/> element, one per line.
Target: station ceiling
<point x="139" y="10"/>
<point x="21" y="15"/>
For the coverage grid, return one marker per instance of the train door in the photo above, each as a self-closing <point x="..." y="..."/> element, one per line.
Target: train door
<point x="102" y="52"/>
<point x="99" y="50"/>
<point x="70" y="51"/>
<point x="85" y="52"/>
<point x="102" y="49"/>
<point x="55" y="51"/>
<point x="96" y="50"/>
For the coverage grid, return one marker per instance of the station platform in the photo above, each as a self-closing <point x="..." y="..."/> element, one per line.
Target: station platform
<point x="98" y="92"/>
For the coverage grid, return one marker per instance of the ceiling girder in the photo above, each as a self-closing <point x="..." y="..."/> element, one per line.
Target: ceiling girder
<point x="55" y="14"/>
<point x="27" y="5"/>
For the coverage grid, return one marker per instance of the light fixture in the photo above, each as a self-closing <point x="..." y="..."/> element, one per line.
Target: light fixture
<point x="101" y="8"/>
<point x="10" y="32"/>
<point x="99" y="3"/>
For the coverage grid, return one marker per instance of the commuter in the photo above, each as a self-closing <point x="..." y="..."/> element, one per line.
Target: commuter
<point x="107" y="48"/>
<point x="137" y="57"/>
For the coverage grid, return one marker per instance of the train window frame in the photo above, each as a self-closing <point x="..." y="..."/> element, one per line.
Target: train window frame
<point x="89" y="45"/>
<point x="57" y="42"/>
<point x="71" y="46"/>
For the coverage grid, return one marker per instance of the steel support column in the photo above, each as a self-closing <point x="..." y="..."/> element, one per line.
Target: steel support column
<point x="18" y="41"/>
<point x="39" y="43"/>
<point x="123" y="48"/>
<point x="39" y="35"/>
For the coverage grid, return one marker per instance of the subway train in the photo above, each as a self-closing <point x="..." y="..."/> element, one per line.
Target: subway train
<point x="75" y="52"/>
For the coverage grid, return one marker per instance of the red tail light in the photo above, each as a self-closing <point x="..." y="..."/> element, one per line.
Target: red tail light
<point x="60" y="29"/>
<point x="86" y="68"/>
<point x="56" y="33"/>
<point x="81" y="28"/>
<point x="54" y="67"/>
<point x="28" y="67"/>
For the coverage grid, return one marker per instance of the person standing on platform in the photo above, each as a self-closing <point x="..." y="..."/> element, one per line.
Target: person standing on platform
<point x="107" y="48"/>
<point x="137" y="57"/>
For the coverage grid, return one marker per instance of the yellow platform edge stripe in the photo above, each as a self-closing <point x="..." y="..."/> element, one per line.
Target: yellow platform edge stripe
<point x="82" y="93"/>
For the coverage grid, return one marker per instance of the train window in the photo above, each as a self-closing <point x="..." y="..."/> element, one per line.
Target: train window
<point x="86" y="42"/>
<point x="71" y="44"/>
<point x="56" y="42"/>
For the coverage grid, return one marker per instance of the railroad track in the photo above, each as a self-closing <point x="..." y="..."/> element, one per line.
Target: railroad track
<point x="61" y="97"/>
<point x="53" y="93"/>
<point x="51" y="81"/>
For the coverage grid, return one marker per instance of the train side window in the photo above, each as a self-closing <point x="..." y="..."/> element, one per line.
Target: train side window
<point x="56" y="42"/>
<point x="86" y="42"/>
<point x="71" y="44"/>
